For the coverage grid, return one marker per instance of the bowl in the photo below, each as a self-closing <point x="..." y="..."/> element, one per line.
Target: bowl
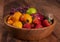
<point x="29" y="34"/>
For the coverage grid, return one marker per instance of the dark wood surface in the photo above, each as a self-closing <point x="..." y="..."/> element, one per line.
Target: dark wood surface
<point x="49" y="6"/>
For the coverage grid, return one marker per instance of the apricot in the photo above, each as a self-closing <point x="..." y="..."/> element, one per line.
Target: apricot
<point x="18" y="24"/>
<point x="10" y="22"/>
<point x="11" y="18"/>
<point x="17" y="16"/>
<point x="26" y="18"/>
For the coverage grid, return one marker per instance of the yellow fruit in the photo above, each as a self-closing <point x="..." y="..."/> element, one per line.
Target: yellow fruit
<point x="17" y="15"/>
<point x="11" y="18"/>
<point x="17" y="24"/>
<point x="26" y="18"/>
<point x="10" y="22"/>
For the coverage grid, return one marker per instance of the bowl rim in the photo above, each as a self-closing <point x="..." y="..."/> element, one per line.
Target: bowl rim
<point x="43" y="28"/>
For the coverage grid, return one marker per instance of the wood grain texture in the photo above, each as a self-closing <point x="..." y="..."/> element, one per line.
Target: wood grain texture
<point x="49" y="6"/>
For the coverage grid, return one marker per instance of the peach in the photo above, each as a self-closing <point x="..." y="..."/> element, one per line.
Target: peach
<point x="26" y="18"/>
<point x="17" y="16"/>
<point x="18" y="24"/>
<point x="10" y="22"/>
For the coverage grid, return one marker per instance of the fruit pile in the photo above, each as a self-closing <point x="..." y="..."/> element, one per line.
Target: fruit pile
<point x="28" y="18"/>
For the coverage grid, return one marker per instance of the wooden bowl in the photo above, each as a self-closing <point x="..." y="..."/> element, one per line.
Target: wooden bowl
<point x="29" y="34"/>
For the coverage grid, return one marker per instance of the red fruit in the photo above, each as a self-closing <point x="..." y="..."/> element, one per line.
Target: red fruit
<point x="32" y="25"/>
<point x="27" y="25"/>
<point x="38" y="26"/>
<point x="38" y="15"/>
<point x="36" y="21"/>
<point x="46" y="23"/>
<point x="41" y="17"/>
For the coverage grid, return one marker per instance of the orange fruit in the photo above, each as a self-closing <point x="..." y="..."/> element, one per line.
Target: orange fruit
<point x="18" y="24"/>
<point x="11" y="18"/>
<point x="10" y="22"/>
<point x="26" y="18"/>
<point x="17" y="15"/>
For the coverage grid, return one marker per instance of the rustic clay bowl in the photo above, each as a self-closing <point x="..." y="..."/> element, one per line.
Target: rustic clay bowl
<point x="29" y="34"/>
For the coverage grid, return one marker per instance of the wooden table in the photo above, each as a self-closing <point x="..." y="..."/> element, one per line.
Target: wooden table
<point x="50" y="7"/>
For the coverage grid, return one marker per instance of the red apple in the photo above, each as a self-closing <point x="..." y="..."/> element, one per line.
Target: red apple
<point x="27" y="25"/>
<point x="46" y="23"/>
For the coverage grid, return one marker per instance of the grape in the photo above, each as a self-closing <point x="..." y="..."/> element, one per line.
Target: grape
<point x="33" y="15"/>
<point x="26" y="8"/>
<point x="12" y="11"/>
<point x="22" y="10"/>
<point x="19" y="9"/>
<point x="41" y="17"/>
<point x="38" y="15"/>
